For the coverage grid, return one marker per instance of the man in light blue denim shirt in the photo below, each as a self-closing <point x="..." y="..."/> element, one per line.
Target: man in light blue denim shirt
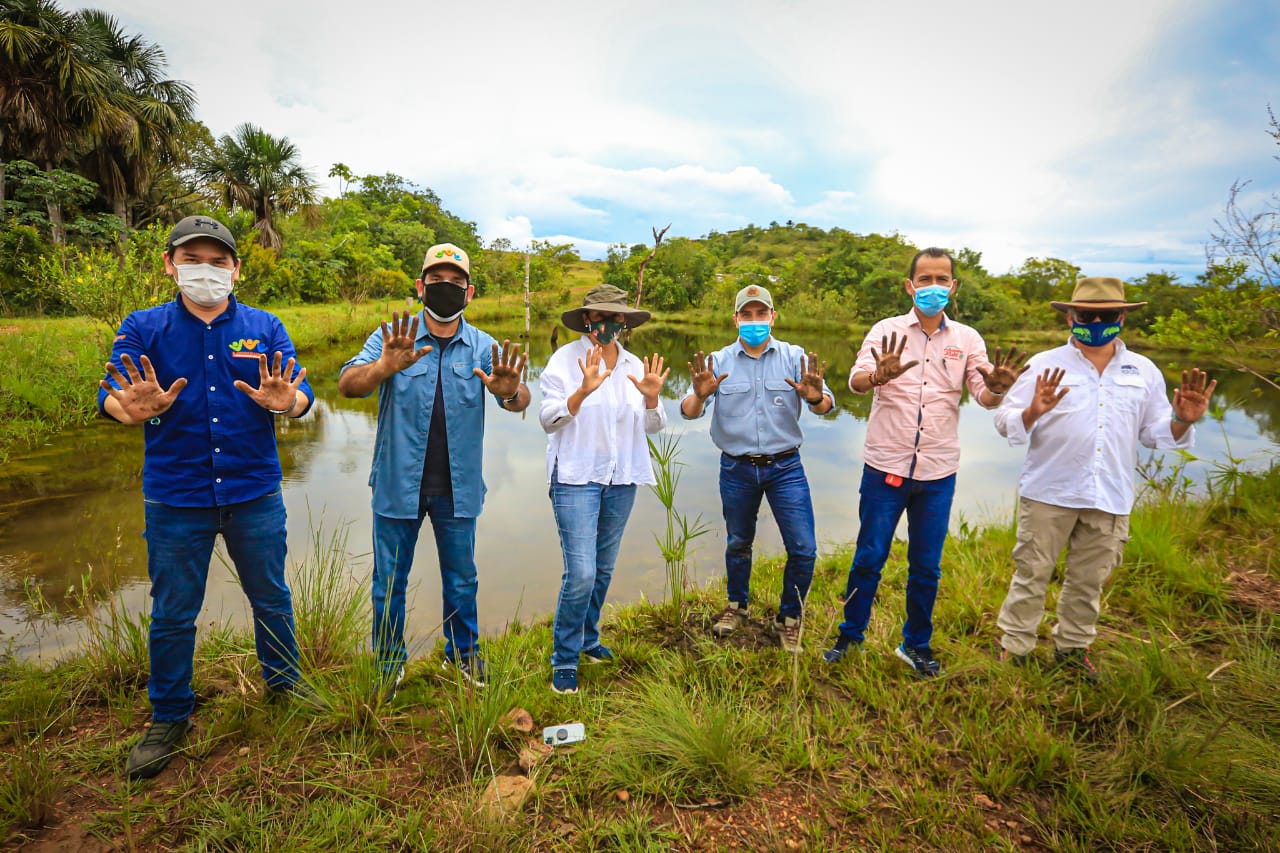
<point x="431" y="374"/>
<point x="758" y="384"/>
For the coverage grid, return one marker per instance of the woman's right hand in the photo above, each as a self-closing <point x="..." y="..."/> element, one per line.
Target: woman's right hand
<point x="594" y="370"/>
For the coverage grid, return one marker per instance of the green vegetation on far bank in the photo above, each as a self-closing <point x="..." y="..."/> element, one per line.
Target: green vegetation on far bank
<point x="715" y="743"/>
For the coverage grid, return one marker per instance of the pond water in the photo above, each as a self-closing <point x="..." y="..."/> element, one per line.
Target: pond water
<point x="74" y="507"/>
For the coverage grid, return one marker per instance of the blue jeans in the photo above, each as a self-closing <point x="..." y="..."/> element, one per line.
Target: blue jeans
<point x="928" y="507"/>
<point x="591" y="518"/>
<point x="742" y="485"/>
<point x="394" y="541"/>
<point x="179" y="545"/>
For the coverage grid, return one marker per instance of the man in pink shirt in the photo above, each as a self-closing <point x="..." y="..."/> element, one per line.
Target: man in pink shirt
<point x="912" y="450"/>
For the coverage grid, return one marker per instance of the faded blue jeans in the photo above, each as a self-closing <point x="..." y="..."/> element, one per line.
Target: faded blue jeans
<point x="742" y="485"/>
<point x="179" y="544"/>
<point x="591" y="518"/>
<point x="394" y="542"/>
<point x="927" y="504"/>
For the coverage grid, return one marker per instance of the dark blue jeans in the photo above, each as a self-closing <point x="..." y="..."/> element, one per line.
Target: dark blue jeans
<point x="179" y="545"/>
<point x="742" y="485"/>
<point x="591" y="518"/>
<point x="394" y="541"/>
<point x="928" y="507"/>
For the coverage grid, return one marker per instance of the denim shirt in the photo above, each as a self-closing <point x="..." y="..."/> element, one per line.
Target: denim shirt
<point x="405" y="402"/>
<point x="755" y="410"/>
<point x="214" y="446"/>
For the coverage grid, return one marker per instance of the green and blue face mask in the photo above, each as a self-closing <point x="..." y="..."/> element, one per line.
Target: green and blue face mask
<point x="1102" y="328"/>
<point x="605" y="331"/>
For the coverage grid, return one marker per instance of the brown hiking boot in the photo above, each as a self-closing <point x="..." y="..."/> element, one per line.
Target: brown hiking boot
<point x="731" y="619"/>
<point x="789" y="631"/>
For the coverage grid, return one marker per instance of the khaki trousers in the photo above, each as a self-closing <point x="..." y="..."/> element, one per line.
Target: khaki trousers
<point x="1095" y="542"/>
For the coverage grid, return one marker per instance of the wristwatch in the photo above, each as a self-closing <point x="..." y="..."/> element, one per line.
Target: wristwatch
<point x="512" y="398"/>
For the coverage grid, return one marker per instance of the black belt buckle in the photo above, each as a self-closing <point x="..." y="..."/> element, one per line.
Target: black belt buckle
<point x="763" y="459"/>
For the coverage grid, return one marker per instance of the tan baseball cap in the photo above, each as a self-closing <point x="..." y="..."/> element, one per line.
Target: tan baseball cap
<point x="752" y="293"/>
<point x="446" y="253"/>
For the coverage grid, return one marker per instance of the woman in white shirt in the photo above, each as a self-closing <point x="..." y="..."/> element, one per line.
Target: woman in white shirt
<point x="598" y="404"/>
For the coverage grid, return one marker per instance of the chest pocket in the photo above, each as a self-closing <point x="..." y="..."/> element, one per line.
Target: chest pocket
<point x="1129" y="392"/>
<point x="465" y="385"/>
<point x="734" y="399"/>
<point x="1078" y="397"/>
<point x="780" y="392"/>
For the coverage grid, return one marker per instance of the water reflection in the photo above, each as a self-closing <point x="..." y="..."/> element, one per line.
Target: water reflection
<point x="74" y="508"/>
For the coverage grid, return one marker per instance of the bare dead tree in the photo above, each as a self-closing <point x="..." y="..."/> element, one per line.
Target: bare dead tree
<point x="657" y="241"/>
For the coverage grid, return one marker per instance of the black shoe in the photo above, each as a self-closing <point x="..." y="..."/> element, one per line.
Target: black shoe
<point x="1003" y="655"/>
<point x="160" y="744"/>
<point x="299" y="693"/>
<point x="386" y="684"/>
<point x="921" y="660"/>
<point x="471" y="668"/>
<point x="843" y="646"/>
<point x="1079" y="661"/>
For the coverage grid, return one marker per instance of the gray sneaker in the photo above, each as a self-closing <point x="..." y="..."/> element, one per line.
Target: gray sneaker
<point x="153" y="753"/>
<point x="789" y="630"/>
<point x="731" y="619"/>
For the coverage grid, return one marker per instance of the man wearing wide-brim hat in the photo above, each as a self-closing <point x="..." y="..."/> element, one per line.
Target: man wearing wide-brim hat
<point x="1082" y="409"/>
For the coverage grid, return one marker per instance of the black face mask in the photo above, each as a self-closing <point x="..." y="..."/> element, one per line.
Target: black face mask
<point x="444" y="300"/>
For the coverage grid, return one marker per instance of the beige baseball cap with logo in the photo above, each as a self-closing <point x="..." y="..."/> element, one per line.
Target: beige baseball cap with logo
<point x="446" y="253"/>
<point x="752" y="293"/>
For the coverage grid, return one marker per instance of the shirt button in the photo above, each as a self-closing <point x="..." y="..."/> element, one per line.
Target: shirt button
<point x="211" y="358"/>
<point x="215" y="420"/>
<point x="217" y="450"/>
<point x="213" y="387"/>
<point x="219" y="480"/>
<point x="208" y="327"/>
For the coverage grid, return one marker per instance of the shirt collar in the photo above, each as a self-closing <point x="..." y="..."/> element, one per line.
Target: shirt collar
<point x="228" y="313"/>
<point x="913" y="319"/>
<point x="741" y="350"/>
<point x="424" y="333"/>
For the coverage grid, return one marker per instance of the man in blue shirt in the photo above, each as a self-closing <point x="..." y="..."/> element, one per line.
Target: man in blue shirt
<point x="758" y="384"/>
<point x="431" y="374"/>
<point x="194" y="372"/>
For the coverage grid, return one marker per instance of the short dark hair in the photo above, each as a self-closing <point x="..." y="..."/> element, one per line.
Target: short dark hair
<point x="932" y="252"/>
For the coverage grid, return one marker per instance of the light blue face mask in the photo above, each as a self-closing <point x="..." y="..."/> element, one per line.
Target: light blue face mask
<point x="933" y="299"/>
<point x="754" y="334"/>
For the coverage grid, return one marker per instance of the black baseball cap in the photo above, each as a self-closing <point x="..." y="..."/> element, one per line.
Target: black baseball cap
<point x="194" y="227"/>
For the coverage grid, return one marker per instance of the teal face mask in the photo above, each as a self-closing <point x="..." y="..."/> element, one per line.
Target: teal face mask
<point x="754" y="334"/>
<point x="606" y="330"/>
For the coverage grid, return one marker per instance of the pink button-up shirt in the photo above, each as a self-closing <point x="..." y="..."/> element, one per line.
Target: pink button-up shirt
<point x="913" y="430"/>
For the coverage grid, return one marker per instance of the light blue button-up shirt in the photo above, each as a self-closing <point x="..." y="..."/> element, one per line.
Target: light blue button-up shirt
<point x="405" y="402"/>
<point x="755" y="410"/>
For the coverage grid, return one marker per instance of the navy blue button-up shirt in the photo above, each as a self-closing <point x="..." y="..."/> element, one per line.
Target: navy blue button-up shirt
<point x="755" y="410"/>
<point x="405" y="403"/>
<point x="214" y="446"/>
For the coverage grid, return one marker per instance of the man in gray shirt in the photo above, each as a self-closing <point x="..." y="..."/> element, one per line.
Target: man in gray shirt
<point x="758" y="384"/>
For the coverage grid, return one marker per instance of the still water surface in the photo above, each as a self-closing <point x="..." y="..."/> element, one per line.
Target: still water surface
<point x="74" y="507"/>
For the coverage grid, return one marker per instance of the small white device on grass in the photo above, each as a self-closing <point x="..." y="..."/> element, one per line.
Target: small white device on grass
<point x="564" y="734"/>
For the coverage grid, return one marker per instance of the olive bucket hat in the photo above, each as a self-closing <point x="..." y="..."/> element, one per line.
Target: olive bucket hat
<point x="606" y="299"/>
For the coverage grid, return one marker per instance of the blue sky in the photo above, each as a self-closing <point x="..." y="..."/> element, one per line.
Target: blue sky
<point x="1105" y="133"/>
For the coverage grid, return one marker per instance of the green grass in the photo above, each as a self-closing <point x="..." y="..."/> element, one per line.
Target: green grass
<point x="713" y="741"/>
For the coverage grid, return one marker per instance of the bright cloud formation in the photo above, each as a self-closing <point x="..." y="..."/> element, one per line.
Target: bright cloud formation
<point x="1099" y="132"/>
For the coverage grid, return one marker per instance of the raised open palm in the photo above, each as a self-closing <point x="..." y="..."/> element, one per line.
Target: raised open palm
<point x="139" y="394"/>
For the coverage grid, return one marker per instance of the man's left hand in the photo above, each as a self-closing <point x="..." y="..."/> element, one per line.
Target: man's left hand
<point x="1005" y="371"/>
<point x="810" y="385"/>
<point x="508" y="367"/>
<point x="1191" y="401"/>
<point x="275" y="390"/>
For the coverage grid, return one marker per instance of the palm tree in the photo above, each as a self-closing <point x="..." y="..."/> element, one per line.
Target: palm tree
<point x="56" y="85"/>
<point x="154" y="112"/>
<point x="254" y="170"/>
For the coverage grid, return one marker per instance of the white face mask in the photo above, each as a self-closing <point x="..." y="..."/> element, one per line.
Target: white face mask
<point x="204" y="284"/>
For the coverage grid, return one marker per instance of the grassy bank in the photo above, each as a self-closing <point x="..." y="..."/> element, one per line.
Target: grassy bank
<point x="698" y="744"/>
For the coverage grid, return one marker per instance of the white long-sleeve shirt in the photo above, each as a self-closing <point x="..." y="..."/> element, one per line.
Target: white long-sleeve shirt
<point x="1083" y="453"/>
<point x="605" y="442"/>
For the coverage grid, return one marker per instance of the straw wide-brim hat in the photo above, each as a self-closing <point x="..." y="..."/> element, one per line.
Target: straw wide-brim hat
<point x="606" y="299"/>
<point x="1098" y="294"/>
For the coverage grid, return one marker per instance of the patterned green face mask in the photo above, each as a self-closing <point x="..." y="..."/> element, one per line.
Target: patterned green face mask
<point x="605" y="331"/>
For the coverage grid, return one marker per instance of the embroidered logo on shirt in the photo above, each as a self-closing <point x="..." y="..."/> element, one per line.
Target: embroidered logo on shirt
<point x="1129" y="368"/>
<point x="953" y="353"/>
<point x="247" y="348"/>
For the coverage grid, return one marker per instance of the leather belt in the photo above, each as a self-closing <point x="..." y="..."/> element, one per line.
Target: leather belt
<point x="761" y="459"/>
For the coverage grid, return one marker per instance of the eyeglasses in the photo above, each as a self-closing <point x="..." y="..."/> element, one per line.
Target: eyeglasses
<point x="1097" y="316"/>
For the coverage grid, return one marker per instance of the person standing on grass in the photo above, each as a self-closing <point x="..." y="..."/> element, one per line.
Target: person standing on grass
<point x="210" y="467"/>
<point x="757" y="385"/>
<point x="599" y="402"/>
<point x="1082" y="411"/>
<point x="431" y="373"/>
<point x="912" y="448"/>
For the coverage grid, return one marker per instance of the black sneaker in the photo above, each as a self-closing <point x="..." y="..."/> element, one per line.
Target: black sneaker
<point x="157" y="747"/>
<point x="471" y="668"/>
<point x="843" y="646"/>
<point x="921" y="660"/>
<point x="386" y="684"/>
<point x="1078" y="660"/>
<point x="1003" y="655"/>
<point x="599" y="654"/>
